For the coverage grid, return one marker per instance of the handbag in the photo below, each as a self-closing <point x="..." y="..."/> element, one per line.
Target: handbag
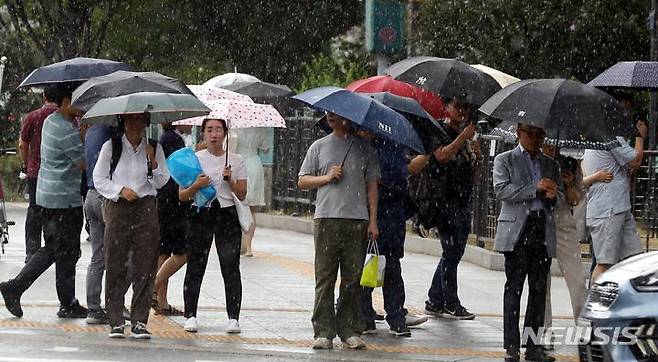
<point x="244" y="213"/>
<point x="373" y="267"/>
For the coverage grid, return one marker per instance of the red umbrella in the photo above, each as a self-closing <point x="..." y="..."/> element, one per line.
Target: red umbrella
<point x="432" y="103"/>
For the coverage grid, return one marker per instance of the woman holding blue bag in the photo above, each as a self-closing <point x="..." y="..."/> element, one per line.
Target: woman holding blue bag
<point x="218" y="218"/>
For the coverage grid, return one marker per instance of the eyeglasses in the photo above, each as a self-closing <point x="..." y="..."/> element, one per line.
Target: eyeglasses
<point x="533" y="134"/>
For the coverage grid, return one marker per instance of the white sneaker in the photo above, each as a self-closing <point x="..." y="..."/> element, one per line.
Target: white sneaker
<point x="191" y="325"/>
<point x="413" y="320"/>
<point x="322" y="343"/>
<point x="355" y="342"/>
<point x="233" y="326"/>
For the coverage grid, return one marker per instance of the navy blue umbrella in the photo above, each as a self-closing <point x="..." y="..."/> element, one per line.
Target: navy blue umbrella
<point x="364" y="112"/>
<point x="426" y="126"/>
<point x="72" y="70"/>
<point x="640" y="75"/>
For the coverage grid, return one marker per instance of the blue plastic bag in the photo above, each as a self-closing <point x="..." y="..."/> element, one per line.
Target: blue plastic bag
<point x="184" y="168"/>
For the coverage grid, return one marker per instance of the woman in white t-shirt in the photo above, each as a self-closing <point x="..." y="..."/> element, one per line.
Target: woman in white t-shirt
<point x="220" y="220"/>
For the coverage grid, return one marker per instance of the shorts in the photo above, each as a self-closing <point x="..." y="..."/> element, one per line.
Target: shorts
<point x="614" y="238"/>
<point x="175" y="229"/>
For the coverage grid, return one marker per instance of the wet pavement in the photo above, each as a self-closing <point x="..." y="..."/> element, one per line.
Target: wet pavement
<point x="277" y="302"/>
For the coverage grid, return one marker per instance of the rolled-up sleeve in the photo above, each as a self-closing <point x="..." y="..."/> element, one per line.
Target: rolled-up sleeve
<point x="102" y="182"/>
<point x="160" y="174"/>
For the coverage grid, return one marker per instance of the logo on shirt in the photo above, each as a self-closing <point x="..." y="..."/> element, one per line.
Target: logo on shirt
<point x="386" y="128"/>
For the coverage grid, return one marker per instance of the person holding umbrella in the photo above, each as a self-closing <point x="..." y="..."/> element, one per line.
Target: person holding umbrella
<point x="228" y="174"/>
<point x="345" y="170"/>
<point x="523" y="182"/>
<point x="58" y="195"/>
<point x="130" y="213"/>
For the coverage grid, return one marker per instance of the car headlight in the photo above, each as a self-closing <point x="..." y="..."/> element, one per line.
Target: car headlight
<point x="647" y="282"/>
<point x="602" y="296"/>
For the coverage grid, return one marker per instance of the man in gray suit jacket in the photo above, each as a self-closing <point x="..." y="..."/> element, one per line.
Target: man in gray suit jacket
<point x="525" y="181"/>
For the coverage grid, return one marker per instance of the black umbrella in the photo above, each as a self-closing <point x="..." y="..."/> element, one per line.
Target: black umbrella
<point x="639" y="75"/>
<point x="122" y="83"/>
<point x="72" y="70"/>
<point x="426" y="126"/>
<point x="574" y="115"/>
<point x="448" y="78"/>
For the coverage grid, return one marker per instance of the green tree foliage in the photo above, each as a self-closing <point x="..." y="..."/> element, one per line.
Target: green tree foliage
<point x="272" y="39"/>
<point x="545" y="38"/>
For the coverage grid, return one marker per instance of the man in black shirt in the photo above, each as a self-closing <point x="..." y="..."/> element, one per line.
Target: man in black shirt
<point x="453" y="163"/>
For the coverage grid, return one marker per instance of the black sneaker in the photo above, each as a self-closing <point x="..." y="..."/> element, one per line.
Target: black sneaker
<point x="117" y="332"/>
<point x="96" y="317"/>
<point x="371" y="328"/>
<point x="432" y="308"/>
<point x="538" y="354"/>
<point x="459" y="312"/>
<point x="400" y="331"/>
<point x="139" y="331"/>
<point x="12" y="299"/>
<point x="379" y="317"/>
<point x="74" y="310"/>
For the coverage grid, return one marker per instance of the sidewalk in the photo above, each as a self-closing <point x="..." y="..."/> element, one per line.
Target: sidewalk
<point x="278" y="287"/>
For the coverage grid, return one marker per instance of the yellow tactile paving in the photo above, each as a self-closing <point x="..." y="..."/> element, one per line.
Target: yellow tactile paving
<point x="163" y="327"/>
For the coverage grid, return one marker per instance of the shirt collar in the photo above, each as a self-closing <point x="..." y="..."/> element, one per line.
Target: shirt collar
<point x="526" y="153"/>
<point x="127" y="143"/>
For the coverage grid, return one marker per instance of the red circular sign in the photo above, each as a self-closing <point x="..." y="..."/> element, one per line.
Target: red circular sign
<point x="387" y="35"/>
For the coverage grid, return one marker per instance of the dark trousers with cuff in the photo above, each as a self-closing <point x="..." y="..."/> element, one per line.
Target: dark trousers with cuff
<point x="394" y="296"/>
<point x="61" y="233"/>
<point x="224" y="226"/>
<point x="33" y="221"/>
<point x="132" y="234"/>
<point x="529" y="258"/>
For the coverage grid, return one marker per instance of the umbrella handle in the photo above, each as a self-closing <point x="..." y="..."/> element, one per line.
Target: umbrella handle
<point x="149" y="163"/>
<point x="226" y="178"/>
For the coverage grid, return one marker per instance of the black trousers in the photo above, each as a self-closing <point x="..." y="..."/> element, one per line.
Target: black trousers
<point x="33" y="223"/>
<point x="529" y="258"/>
<point x="223" y="224"/>
<point x="394" y="296"/>
<point x="61" y="233"/>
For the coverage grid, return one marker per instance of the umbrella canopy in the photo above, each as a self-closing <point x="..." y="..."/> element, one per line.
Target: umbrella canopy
<point x="574" y="115"/>
<point x="122" y="83"/>
<point x="208" y="94"/>
<point x="432" y="103"/>
<point x="72" y="70"/>
<point x="226" y="79"/>
<point x="260" y="90"/>
<point x="503" y="79"/>
<point x="421" y="121"/>
<point x="162" y="107"/>
<point x="239" y="114"/>
<point x="640" y="75"/>
<point x="448" y="78"/>
<point x="364" y="112"/>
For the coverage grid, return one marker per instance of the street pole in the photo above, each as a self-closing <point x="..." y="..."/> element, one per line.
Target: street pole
<point x="653" y="57"/>
<point x="3" y="61"/>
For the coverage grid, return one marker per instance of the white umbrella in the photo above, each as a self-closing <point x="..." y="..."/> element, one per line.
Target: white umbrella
<point x="239" y="115"/>
<point x="503" y="79"/>
<point x="226" y="79"/>
<point x="207" y="93"/>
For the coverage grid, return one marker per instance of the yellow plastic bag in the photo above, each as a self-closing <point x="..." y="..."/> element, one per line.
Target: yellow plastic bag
<point x="373" y="267"/>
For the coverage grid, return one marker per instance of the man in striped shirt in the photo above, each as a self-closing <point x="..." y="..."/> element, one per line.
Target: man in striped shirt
<point x="58" y="194"/>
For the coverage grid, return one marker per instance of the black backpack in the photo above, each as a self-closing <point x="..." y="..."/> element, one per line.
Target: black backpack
<point x="427" y="191"/>
<point x="117" y="147"/>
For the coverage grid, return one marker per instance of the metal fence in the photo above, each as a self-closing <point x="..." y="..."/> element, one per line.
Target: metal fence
<point x="291" y="145"/>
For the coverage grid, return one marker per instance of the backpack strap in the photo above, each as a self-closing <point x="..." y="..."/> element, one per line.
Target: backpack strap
<point x="117" y="147"/>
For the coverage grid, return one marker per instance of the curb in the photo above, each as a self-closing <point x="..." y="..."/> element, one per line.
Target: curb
<point x="413" y="244"/>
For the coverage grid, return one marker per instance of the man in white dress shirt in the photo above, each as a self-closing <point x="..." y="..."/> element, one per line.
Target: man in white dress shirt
<point x="131" y="221"/>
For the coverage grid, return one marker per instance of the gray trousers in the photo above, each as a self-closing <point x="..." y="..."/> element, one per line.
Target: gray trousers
<point x="94" y="213"/>
<point x="339" y="244"/>
<point x="130" y="227"/>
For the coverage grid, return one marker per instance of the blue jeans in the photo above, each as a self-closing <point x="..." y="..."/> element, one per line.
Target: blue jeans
<point x="454" y="230"/>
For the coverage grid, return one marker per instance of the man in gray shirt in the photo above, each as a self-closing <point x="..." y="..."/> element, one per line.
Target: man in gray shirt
<point x="345" y="214"/>
<point x="609" y="217"/>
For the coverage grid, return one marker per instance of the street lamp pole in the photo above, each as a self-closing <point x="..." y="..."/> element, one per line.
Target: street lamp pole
<point x="3" y="61"/>
<point x="653" y="57"/>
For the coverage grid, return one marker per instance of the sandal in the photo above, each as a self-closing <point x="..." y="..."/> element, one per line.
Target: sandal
<point x="169" y="310"/>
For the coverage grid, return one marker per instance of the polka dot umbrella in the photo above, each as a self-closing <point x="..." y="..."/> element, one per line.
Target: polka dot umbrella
<point x="207" y="93"/>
